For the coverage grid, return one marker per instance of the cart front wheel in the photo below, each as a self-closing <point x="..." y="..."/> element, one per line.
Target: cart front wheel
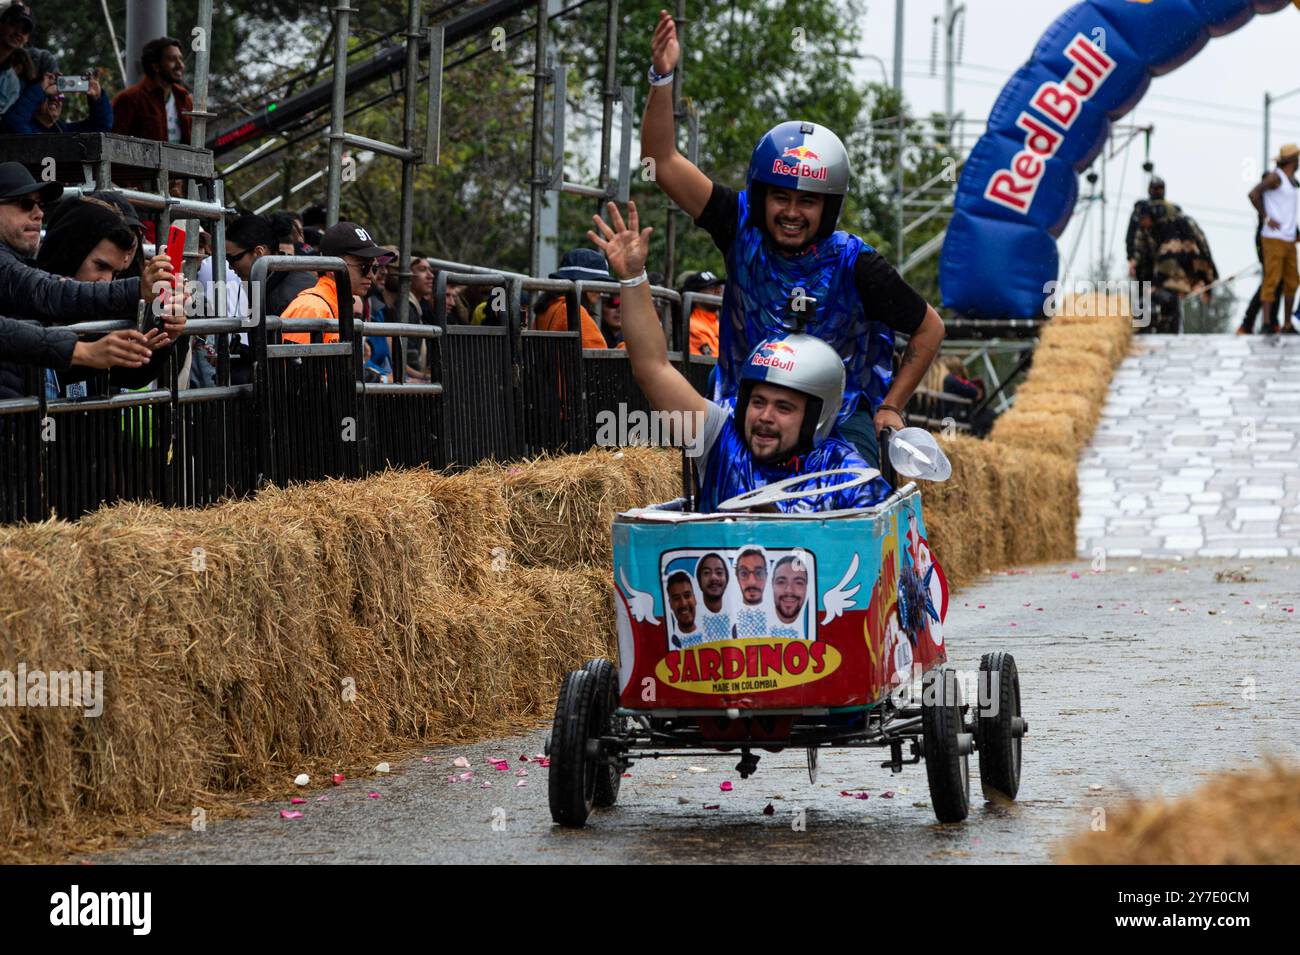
<point x="946" y="745"/>
<point x="571" y="786"/>
<point x="1000" y="728"/>
<point x="609" y="776"/>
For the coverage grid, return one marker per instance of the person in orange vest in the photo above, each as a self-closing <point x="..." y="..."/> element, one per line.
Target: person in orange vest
<point x="585" y="265"/>
<point x="363" y="257"/>
<point x="704" y="317"/>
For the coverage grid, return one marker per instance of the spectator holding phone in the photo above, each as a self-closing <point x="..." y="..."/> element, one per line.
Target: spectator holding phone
<point x="19" y="65"/>
<point x="40" y="109"/>
<point x="27" y="291"/>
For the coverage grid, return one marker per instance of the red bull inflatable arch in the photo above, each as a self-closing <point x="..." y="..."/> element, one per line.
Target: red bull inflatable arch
<point x="1020" y="182"/>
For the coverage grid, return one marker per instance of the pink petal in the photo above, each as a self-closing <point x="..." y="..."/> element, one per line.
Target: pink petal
<point x="426" y="759"/>
<point x="627" y="775"/>
<point x="521" y="772"/>
<point x="523" y="758"/>
<point x="486" y="785"/>
<point x="726" y="786"/>
<point x="373" y="795"/>
<point x="460" y="762"/>
<point x="452" y="779"/>
<point x="522" y="782"/>
<point x="714" y="806"/>
<point x="1074" y="575"/>
<point x="769" y="810"/>
<point x="981" y="606"/>
<point x="337" y="779"/>
<point x="542" y="761"/>
<point x="322" y="798"/>
<point x="295" y="801"/>
<point x="464" y="776"/>
<point x="887" y="794"/>
<point x="290" y="814"/>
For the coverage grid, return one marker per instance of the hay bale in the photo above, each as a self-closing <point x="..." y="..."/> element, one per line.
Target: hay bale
<point x="560" y="509"/>
<point x="1249" y="818"/>
<point x="1038" y="430"/>
<point x="1104" y="340"/>
<point x="1079" y="410"/>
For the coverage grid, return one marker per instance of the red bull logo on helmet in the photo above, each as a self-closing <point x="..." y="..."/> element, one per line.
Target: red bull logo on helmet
<point x="777" y="355"/>
<point x="803" y="158"/>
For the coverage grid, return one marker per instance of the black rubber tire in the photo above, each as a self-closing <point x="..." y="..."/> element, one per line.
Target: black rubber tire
<point x="571" y="785"/>
<point x="999" y="748"/>
<point x="608" y="778"/>
<point x="947" y="768"/>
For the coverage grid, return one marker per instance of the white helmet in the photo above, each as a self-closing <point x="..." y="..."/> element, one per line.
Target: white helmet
<point x="804" y="364"/>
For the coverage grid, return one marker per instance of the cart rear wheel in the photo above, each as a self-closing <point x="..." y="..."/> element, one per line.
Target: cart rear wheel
<point x="1000" y="728"/>
<point x="946" y="746"/>
<point x="608" y="777"/>
<point x="571" y="786"/>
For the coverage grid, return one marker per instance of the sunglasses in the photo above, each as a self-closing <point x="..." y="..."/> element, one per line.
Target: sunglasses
<point x="370" y="268"/>
<point x="26" y="203"/>
<point x="232" y="259"/>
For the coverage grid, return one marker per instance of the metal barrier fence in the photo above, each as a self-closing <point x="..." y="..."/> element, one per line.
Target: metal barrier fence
<point x="497" y="392"/>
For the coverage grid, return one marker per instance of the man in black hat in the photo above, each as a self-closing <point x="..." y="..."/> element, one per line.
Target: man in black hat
<point x="363" y="256"/>
<point x="30" y="292"/>
<point x="578" y="265"/>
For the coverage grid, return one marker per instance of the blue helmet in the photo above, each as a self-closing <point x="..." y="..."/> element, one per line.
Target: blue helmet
<point x="804" y="156"/>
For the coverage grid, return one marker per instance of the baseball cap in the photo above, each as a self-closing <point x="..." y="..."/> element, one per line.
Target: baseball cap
<point x="583" y="265"/>
<point x="698" y="281"/>
<point x="16" y="181"/>
<point x="19" y="11"/>
<point x="349" y="238"/>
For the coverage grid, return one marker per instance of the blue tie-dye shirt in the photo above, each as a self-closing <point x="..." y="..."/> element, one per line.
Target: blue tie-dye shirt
<point x="860" y="300"/>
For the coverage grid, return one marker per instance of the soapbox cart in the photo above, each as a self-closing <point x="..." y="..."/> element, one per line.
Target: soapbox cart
<point x="743" y="631"/>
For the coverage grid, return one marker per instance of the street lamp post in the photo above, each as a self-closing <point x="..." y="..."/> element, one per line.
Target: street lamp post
<point x="1269" y="100"/>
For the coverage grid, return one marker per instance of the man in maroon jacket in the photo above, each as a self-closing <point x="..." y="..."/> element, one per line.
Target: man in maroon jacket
<point x="156" y="107"/>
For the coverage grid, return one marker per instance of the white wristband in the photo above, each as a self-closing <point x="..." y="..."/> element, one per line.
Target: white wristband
<point x="629" y="283"/>
<point x="659" y="79"/>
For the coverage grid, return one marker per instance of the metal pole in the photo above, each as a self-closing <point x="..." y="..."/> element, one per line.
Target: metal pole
<point x="670" y="231"/>
<point x="145" y="20"/>
<point x="1268" y="105"/>
<point x="948" y="21"/>
<point x="611" y="93"/>
<point x="898" y="162"/>
<point x="537" y="181"/>
<point x="340" y="92"/>
<point x="408" y="165"/>
<point x="1101" y="254"/>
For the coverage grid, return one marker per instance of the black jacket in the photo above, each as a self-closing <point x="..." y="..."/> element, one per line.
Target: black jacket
<point x="29" y="292"/>
<point x="26" y="344"/>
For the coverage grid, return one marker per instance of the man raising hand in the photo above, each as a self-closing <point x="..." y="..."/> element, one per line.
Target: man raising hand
<point x="790" y="390"/>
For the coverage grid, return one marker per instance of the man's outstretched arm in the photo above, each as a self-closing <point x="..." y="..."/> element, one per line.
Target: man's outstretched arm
<point x="626" y="249"/>
<point x="676" y="175"/>
<point x="922" y="347"/>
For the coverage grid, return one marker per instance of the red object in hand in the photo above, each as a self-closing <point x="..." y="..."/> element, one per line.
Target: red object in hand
<point x="176" y="252"/>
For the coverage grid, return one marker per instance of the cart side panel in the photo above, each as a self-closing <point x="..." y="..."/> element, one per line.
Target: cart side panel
<point x="808" y="613"/>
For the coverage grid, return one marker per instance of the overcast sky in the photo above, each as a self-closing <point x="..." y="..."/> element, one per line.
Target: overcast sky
<point x="1208" y="114"/>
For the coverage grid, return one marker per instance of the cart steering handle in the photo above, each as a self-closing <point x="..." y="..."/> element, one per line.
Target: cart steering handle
<point x="783" y="490"/>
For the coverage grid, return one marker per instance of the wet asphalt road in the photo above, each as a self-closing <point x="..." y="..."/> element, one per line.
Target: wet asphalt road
<point x="1135" y="682"/>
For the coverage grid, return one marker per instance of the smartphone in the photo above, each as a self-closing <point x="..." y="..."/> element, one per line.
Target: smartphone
<point x="73" y="84"/>
<point x="176" y="251"/>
